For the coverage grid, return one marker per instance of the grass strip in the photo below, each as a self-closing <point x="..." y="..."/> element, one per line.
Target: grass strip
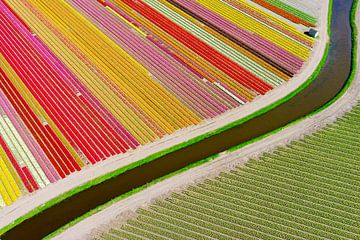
<point x="153" y="157"/>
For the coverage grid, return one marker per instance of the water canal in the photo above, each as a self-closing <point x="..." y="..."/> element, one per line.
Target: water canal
<point x="326" y="86"/>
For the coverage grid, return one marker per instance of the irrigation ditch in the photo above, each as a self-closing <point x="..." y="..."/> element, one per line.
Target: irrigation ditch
<point x="330" y="81"/>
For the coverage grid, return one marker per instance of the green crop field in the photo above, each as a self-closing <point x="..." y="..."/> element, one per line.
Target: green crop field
<point x="307" y="190"/>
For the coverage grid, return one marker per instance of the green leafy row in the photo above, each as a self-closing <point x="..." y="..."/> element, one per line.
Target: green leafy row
<point x="293" y="10"/>
<point x="309" y="189"/>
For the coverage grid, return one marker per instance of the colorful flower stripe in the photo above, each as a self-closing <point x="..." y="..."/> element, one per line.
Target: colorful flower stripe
<point x="307" y="7"/>
<point x="160" y="64"/>
<point x="35" y="154"/>
<point x="94" y="136"/>
<point x="126" y="74"/>
<point x="33" y="114"/>
<point x="241" y="41"/>
<point x="224" y="44"/>
<point x="288" y="12"/>
<point x="295" y="11"/>
<point x="207" y="52"/>
<point x="9" y="188"/>
<point x="293" y="50"/>
<point x="92" y="77"/>
<point x="239" y="36"/>
<point x="121" y="69"/>
<point x="247" y="63"/>
<point x="180" y="51"/>
<point x="15" y="166"/>
<point x="271" y="21"/>
<point x="38" y="130"/>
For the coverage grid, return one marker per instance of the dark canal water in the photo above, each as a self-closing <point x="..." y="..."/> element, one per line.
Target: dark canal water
<point x="330" y="81"/>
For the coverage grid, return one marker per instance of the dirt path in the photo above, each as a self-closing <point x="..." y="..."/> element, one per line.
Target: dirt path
<point x="32" y="201"/>
<point x="127" y="207"/>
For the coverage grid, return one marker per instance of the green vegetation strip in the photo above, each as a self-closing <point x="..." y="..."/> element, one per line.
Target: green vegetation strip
<point x="292" y="10"/>
<point x="337" y="214"/>
<point x="150" y="158"/>
<point x="307" y="190"/>
<point x="264" y="110"/>
<point x="153" y="157"/>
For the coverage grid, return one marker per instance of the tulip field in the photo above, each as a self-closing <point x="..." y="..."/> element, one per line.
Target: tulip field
<point x="85" y="80"/>
<point x="288" y="11"/>
<point x="309" y="189"/>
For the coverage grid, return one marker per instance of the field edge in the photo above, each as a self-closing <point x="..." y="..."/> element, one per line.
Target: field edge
<point x="322" y="108"/>
<point x="154" y="156"/>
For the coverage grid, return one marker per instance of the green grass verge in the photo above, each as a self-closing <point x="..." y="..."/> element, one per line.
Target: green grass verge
<point x="153" y="157"/>
<point x="305" y="190"/>
<point x="341" y="93"/>
<point x="266" y="109"/>
<point x="311" y="79"/>
<point x="290" y="9"/>
<point x="348" y="83"/>
<point x="128" y="194"/>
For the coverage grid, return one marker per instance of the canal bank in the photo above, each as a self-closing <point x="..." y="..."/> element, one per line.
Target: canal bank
<point x="227" y="139"/>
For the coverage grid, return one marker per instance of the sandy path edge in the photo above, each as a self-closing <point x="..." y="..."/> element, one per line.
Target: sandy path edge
<point x="124" y="209"/>
<point x="32" y="201"/>
<point x="127" y="207"/>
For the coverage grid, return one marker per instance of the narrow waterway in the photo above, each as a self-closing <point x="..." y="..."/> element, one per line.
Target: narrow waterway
<point x="328" y="84"/>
